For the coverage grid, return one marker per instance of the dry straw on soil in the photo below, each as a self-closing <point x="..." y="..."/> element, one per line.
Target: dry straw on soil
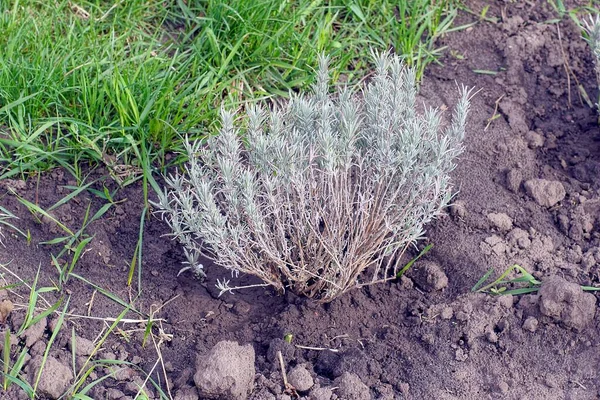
<point x="323" y="195"/>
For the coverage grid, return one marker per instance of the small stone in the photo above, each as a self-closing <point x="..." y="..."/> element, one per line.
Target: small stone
<point x="169" y="366"/>
<point x="350" y="387"/>
<point x="301" y="379"/>
<point x="404" y="389"/>
<point x="496" y="244"/>
<point x="321" y="394"/>
<point x="566" y="302"/>
<point x="138" y="388"/>
<point x="492" y="337"/>
<point x="429" y="276"/>
<point x="524" y="243"/>
<point x="534" y="139"/>
<point x="460" y="355"/>
<point x="136" y="360"/>
<point x="6" y="307"/>
<point x="35" y="332"/>
<point x="54" y="379"/>
<point x="530" y="324"/>
<point x="38" y="348"/>
<point x="493" y="240"/>
<point x="516" y="234"/>
<point x="227" y="371"/>
<point x="545" y="193"/>
<point x="458" y="209"/>
<point x="263" y="394"/>
<point x="506" y="301"/>
<point x="83" y="346"/>
<point x="123" y="373"/>
<point x="108" y="355"/>
<point x="52" y="324"/>
<point x="81" y="361"/>
<point x="501" y="221"/>
<point x="406" y="283"/>
<point x="503" y="387"/>
<point x="551" y="381"/>
<point x="514" y="177"/>
<point x="428" y="338"/>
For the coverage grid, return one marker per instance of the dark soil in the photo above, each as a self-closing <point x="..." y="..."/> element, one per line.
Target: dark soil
<point x="404" y="339"/>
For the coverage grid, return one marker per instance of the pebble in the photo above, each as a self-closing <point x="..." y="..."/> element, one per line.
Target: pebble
<point x="534" y="139"/>
<point x="458" y="209"/>
<point x="514" y="177"/>
<point x="546" y="193"/>
<point x="301" y="379"/>
<point x="492" y="337"/>
<point x="530" y="324"/>
<point x="501" y="221"/>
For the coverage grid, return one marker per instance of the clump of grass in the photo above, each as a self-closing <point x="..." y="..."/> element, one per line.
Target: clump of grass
<point x="411" y="28"/>
<point x="117" y="83"/>
<point x="323" y="195"/>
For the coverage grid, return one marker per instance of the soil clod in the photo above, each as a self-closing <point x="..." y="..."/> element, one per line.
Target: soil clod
<point x="227" y="371"/>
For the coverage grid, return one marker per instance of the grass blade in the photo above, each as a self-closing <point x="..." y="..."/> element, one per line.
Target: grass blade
<point x="411" y="262"/>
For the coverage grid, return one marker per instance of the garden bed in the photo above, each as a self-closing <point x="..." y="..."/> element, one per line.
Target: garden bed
<point x="415" y="338"/>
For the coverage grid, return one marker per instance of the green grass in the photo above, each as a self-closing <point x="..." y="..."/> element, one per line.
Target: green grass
<point x="524" y="283"/>
<point x="120" y="83"/>
<point x="582" y="10"/>
<point x="38" y="307"/>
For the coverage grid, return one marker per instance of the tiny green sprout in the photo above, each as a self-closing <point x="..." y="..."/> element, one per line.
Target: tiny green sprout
<point x="484" y="12"/>
<point x="456" y="54"/>
<point x="525" y="283"/>
<point x="500" y="285"/>
<point x="288" y="338"/>
<point x="414" y="260"/>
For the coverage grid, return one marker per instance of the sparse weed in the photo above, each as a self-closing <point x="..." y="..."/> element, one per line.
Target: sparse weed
<point x="38" y="307"/>
<point x="501" y="284"/>
<point x="5" y="218"/>
<point x="75" y="242"/>
<point x="524" y="283"/>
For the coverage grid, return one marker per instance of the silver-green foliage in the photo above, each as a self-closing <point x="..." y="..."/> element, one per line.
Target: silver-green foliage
<point x="592" y="29"/>
<point x="324" y="194"/>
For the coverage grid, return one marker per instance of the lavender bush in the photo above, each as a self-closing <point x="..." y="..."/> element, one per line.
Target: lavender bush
<point x="592" y="30"/>
<point x="321" y="195"/>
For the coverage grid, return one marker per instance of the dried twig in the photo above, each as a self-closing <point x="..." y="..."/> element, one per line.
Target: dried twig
<point x="317" y="348"/>
<point x="568" y="70"/>
<point x="495" y="115"/>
